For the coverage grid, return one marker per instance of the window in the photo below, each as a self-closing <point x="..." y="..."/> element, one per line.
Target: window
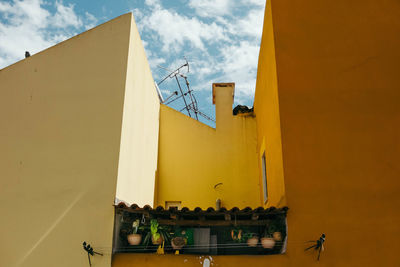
<point x="264" y="175"/>
<point x="173" y="204"/>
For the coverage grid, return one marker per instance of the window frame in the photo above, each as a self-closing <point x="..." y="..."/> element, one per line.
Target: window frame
<point x="173" y="204"/>
<point x="264" y="176"/>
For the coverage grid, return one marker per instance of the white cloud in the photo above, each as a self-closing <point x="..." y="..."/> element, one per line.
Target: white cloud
<point x="4" y="6"/>
<point x="174" y="30"/>
<point x="137" y="14"/>
<point x="204" y="68"/>
<point x="251" y="25"/>
<point x="28" y="26"/>
<point x="90" y="21"/>
<point x="153" y="3"/>
<point x="65" y="16"/>
<point x="240" y="65"/>
<point x="29" y="10"/>
<point x="211" y="8"/>
<point x="154" y="62"/>
<point x="255" y="2"/>
<point x="152" y="58"/>
<point x="237" y="63"/>
<point x="221" y="49"/>
<point x="241" y="56"/>
<point x="22" y="29"/>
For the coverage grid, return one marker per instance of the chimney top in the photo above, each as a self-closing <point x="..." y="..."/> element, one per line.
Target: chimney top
<point x="215" y="85"/>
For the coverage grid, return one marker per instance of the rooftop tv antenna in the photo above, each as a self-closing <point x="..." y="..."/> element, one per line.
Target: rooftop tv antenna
<point x="186" y="94"/>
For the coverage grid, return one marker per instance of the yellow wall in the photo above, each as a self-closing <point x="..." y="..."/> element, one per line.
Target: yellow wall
<point x="150" y="260"/>
<point x="328" y="74"/>
<point x="337" y="68"/>
<point x="61" y="113"/>
<point x="266" y="108"/>
<point x="194" y="157"/>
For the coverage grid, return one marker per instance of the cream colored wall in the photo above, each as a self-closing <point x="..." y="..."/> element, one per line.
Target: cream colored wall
<point x="139" y="141"/>
<point x="61" y="113"/>
<point x="194" y="157"/>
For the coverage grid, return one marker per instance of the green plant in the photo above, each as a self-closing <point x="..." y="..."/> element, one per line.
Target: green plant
<point x="251" y="239"/>
<point x="268" y="231"/>
<point x="275" y="230"/>
<point x="135" y="227"/>
<point x="155" y="231"/>
<point x="247" y="236"/>
<point x="242" y="234"/>
<point x="237" y="235"/>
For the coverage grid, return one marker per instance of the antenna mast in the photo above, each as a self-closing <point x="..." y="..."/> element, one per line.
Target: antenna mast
<point x="189" y="99"/>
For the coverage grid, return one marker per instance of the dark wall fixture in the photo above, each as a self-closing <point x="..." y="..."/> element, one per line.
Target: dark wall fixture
<point x="241" y="109"/>
<point x="318" y="245"/>
<point x="90" y="251"/>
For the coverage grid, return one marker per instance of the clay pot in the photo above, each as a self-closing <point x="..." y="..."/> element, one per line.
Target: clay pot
<point x="277" y="236"/>
<point x="267" y="242"/>
<point x="134" y="239"/>
<point x="252" y="242"/>
<point x="178" y="242"/>
<point x="158" y="241"/>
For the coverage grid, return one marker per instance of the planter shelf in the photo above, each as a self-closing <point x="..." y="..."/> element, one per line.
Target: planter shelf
<point x="208" y="231"/>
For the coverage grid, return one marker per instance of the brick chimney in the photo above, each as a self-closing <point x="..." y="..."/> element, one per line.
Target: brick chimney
<point x="223" y="94"/>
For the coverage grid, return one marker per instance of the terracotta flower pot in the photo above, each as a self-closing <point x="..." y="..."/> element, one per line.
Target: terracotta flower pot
<point x="267" y="242"/>
<point x="178" y="242"/>
<point x="157" y="241"/>
<point x="277" y="236"/>
<point x="252" y="242"/>
<point x="134" y="239"/>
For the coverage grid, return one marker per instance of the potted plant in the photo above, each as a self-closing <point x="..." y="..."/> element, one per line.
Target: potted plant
<point x="252" y="240"/>
<point x="134" y="238"/>
<point x="237" y="235"/>
<point x="277" y="236"/>
<point x="178" y="242"/>
<point x="267" y="241"/>
<point x="274" y="229"/>
<point x="157" y="233"/>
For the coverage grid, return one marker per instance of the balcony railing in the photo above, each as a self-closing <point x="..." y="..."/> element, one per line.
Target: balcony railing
<point x="208" y="232"/>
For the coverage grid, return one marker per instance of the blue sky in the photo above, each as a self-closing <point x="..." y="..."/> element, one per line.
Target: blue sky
<point x="219" y="38"/>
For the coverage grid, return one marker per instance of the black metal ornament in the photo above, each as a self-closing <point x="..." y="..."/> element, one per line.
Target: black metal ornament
<point x="90" y="251"/>
<point x="319" y="245"/>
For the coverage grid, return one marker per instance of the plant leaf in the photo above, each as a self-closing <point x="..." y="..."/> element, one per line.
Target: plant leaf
<point x="147" y="239"/>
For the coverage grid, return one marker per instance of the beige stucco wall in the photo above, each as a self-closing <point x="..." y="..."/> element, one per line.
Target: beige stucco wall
<point x="61" y="114"/>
